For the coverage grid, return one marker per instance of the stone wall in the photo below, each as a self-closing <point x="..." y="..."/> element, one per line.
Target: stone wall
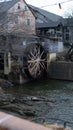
<point x="20" y="19"/>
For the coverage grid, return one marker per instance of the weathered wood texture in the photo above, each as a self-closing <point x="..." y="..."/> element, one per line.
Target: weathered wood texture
<point x="61" y="70"/>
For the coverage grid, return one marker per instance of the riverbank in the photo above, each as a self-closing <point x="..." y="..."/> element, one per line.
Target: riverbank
<point x="22" y="107"/>
<point x="42" y="101"/>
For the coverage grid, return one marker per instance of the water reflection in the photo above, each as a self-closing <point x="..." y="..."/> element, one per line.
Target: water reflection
<point x="34" y="87"/>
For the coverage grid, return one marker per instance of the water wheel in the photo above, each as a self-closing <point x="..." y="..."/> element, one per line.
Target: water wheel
<point x="36" y="61"/>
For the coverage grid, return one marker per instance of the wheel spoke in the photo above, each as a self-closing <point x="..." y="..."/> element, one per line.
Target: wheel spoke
<point x="36" y="61"/>
<point x="32" y="55"/>
<point x="31" y="68"/>
<point x="43" y="66"/>
<point x="42" y="54"/>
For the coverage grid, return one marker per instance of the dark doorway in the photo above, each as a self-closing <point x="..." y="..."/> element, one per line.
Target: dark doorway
<point x="1" y="62"/>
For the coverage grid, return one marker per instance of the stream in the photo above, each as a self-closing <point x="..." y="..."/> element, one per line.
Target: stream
<point x="39" y="101"/>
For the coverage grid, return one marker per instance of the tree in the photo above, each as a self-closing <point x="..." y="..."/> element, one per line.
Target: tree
<point x="68" y="13"/>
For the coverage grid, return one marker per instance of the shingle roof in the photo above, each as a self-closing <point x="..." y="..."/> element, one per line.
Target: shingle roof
<point x="45" y="25"/>
<point x="4" y="6"/>
<point x="49" y="19"/>
<point x="48" y="15"/>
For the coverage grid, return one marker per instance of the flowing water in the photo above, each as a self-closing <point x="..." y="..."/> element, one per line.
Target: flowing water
<point x="51" y="100"/>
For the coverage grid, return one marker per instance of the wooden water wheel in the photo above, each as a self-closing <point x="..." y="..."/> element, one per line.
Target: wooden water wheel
<point x="36" y="61"/>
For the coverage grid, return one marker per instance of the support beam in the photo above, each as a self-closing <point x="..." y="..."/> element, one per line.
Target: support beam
<point x="7" y="63"/>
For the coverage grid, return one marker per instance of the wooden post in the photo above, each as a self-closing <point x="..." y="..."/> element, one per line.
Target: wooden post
<point x="7" y="63"/>
<point x="50" y="57"/>
<point x="21" y="79"/>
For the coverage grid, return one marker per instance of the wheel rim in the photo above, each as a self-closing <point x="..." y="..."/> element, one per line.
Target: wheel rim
<point x="36" y="61"/>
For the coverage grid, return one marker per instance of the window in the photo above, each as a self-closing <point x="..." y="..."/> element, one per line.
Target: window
<point x="16" y="20"/>
<point x="66" y="33"/>
<point x="67" y="36"/>
<point x="28" y="21"/>
<point x="18" y="5"/>
<point x="25" y="8"/>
